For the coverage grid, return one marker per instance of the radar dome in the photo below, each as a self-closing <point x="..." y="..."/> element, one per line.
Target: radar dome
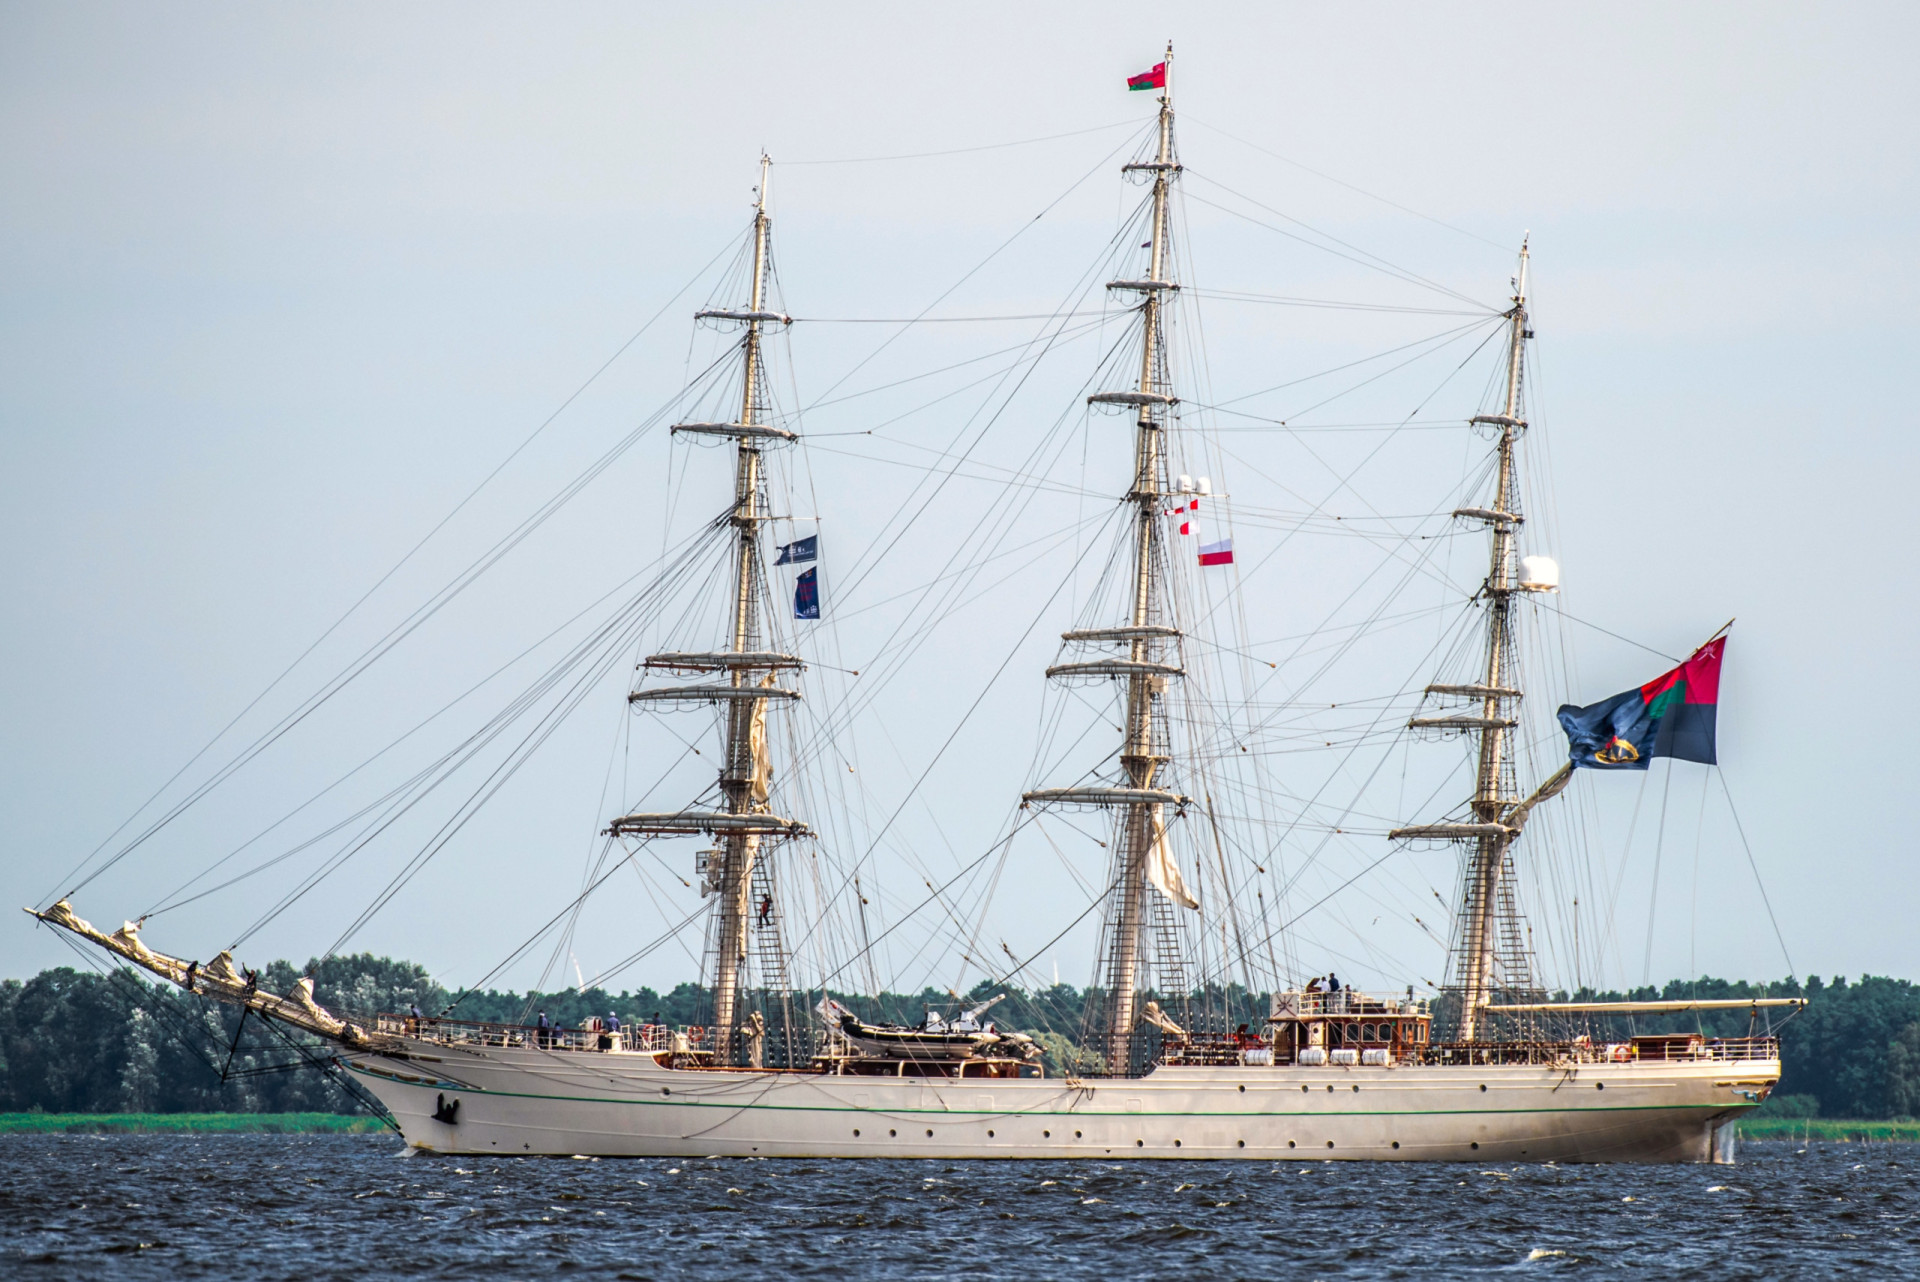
<point x="1539" y="574"/>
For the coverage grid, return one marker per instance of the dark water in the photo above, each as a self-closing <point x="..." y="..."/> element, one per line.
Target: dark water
<point x="276" y="1206"/>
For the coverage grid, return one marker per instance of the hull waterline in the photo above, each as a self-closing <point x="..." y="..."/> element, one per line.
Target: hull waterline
<point x="530" y="1102"/>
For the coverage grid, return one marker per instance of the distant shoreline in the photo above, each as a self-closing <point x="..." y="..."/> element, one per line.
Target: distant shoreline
<point x="190" y="1123"/>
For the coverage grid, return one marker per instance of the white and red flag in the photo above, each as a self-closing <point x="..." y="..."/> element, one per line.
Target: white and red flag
<point x="1220" y="553"/>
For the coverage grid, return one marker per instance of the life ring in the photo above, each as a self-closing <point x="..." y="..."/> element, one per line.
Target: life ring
<point x="696" y="1034"/>
<point x="1619" y="1052"/>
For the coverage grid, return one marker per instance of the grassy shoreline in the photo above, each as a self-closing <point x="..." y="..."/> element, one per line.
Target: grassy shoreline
<point x="189" y="1123"/>
<point x="1837" y="1130"/>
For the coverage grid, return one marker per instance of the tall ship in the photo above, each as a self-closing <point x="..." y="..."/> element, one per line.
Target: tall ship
<point x="1196" y="1039"/>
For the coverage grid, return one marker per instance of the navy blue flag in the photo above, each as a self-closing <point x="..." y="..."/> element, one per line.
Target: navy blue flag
<point x="806" y="595"/>
<point x="798" y="551"/>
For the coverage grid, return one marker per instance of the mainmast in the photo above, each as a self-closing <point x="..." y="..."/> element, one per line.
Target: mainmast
<point x="1147" y="636"/>
<point x="1487" y="900"/>
<point x="735" y="869"/>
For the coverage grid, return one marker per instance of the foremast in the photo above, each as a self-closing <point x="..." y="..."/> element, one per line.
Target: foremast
<point x="745" y="822"/>
<point x="1147" y="635"/>
<point x="1487" y="919"/>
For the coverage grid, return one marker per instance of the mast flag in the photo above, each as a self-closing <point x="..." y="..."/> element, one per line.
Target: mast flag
<point x="806" y="596"/>
<point x="1672" y="715"/>
<point x="1154" y="79"/>
<point x="799" y="551"/>
<point x="1220" y="553"/>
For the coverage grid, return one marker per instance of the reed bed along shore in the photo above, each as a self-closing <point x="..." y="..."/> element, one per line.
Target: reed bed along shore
<point x="1831" y="1129"/>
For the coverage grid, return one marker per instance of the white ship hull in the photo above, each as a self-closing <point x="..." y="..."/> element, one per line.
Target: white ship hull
<point x="528" y="1101"/>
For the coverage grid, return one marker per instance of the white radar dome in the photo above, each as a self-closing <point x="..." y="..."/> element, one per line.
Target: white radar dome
<point x="1539" y="574"/>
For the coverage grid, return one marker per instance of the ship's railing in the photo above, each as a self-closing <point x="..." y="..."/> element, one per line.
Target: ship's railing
<point x="1250" y="1052"/>
<point x="1317" y="1004"/>
<point x="632" y="1038"/>
<point x="1660" y="1048"/>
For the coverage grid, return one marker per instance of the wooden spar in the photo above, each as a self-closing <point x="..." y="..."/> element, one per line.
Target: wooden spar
<point x="219" y="979"/>
<point x="1640" y="1008"/>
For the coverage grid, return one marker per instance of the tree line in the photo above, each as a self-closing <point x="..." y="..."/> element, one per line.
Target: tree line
<point x="79" y="1042"/>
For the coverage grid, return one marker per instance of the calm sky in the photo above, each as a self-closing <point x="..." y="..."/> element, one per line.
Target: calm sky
<point x="280" y="286"/>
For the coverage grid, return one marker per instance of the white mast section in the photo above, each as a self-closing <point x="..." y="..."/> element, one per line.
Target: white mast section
<point x="743" y="694"/>
<point x="1146" y="635"/>
<point x="742" y="780"/>
<point x="1497" y="817"/>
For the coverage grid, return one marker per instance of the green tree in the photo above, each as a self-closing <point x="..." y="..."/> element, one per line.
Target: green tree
<point x="1903" y="1073"/>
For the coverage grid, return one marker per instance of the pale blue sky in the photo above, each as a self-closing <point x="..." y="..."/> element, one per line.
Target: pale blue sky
<point x="279" y="286"/>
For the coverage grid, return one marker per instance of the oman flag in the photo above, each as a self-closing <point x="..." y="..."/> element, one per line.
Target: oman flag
<point x="1154" y="79"/>
<point x="1672" y="715"/>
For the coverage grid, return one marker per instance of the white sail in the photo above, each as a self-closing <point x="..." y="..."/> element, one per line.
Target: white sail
<point x="1163" y="870"/>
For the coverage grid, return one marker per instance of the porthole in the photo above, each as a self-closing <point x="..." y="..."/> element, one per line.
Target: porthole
<point x="1356" y="1088"/>
<point x="1243" y="1089"/>
<point x="893" y="1134"/>
<point x="989" y="1134"/>
<point x="1176" y="1143"/>
<point x="1329" y="1143"/>
<point x="1476" y="1144"/>
<point x="929" y="1133"/>
<point x="1046" y="1135"/>
<point x="1243" y="1143"/>
<point x="856" y="1132"/>
<point x="1396" y="1143"/>
<point x="1303" y="1089"/>
<point x="1076" y="1135"/>
<point x="1329" y="1088"/>
<point x="1599" y="1086"/>
<point x="1483" y="1088"/>
<point x="666" y="1090"/>
<point x="1290" y="1144"/>
<point x="1139" y="1143"/>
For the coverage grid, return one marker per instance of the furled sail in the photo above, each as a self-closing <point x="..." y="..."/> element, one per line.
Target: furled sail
<point x="1163" y="870"/>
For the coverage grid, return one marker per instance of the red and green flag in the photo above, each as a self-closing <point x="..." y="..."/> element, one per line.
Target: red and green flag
<point x="1672" y="715"/>
<point x="1154" y="79"/>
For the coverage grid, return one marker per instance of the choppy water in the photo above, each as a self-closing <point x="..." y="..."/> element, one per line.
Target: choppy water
<point x="308" y="1207"/>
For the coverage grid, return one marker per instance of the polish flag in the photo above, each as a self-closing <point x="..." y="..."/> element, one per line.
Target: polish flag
<point x="1220" y="553"/>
